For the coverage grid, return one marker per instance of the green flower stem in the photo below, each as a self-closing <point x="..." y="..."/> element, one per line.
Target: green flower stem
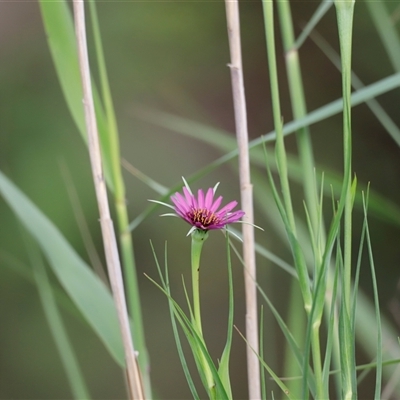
<point x="198" y="238"/>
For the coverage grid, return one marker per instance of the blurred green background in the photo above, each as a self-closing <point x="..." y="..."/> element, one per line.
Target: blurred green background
<point x="170" y="56"/>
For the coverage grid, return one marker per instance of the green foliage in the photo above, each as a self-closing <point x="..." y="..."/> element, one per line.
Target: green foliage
<point x="72" y="272"/>
<point x="337" y="314"/>
<point x="221" y="385"/>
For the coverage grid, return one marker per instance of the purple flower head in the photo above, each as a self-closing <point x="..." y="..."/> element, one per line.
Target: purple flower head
<point x="202" y="211"/>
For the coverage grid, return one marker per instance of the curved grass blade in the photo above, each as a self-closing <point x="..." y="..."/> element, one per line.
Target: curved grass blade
<point x="75" y="276"/>
<point x="197" y="345"/>
<point x="285" y="330"/>
<point x="261" y="347"/>
<point x="165" y="285"/>
<point x="386" y="30"/>
<point x="58" y="24"/>
<point x="214" y="136"/>
<point x="378" y="379"/>
<point x="322" y="9"/>
<point x="275" y="377"/>
<point x="379" y="112"/>
<point x="223" y="368"/>
<point x="56" y="325"/>
<point x="379" y="206"/>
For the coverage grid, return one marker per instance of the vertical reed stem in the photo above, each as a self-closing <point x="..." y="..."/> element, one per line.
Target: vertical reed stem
<point x="107" y="228"/>
<point x="246" y="189"/>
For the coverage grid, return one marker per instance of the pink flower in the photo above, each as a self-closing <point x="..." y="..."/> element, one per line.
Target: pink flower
<point x="202" y="211"/>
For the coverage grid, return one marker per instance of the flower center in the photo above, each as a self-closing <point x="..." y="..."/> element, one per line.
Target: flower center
<point x="203" y="216"/>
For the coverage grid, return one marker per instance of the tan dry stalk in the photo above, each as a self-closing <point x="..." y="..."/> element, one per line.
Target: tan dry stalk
<point x="107" y="227"/>
<point x="246" y="191"/>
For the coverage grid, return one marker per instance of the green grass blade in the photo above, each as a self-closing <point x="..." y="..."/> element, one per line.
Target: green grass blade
<point x="59" y="28"/>
<point x="223" y="368"/>
<point x="299" y="261"/>
<point x="285" y="330"/>
<point x="23" y="271"/>
<point x="386" y="30"/>
<point x="319" y="13"/>
<point x="213" y="136"/>
<point x="366" y="334"/>
<point x="56" y="325"/>
<point x="379" y="206"/>
<point x="378" y="378"/>
<point x="261" y="347"/>
<point x="74" y="275"/>
<point x="331" y="334"/>
<point x="111" y="154"/>
<point x="382" y="116"/>
<point x="345" y="12"/>
<point x="166" y="286"/>
<point x="58" y="24"/>
<point x="347" y="364"/>
<point x="296" y="320"/>
<point x="299" y="109"/>
<point x="291" y="341"/>
<point x="197" y="345"/>
<point x="280" y="152"/>
<point x="275" y="377"/>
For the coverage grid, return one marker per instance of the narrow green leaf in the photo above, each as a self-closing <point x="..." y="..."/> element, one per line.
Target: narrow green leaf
<point x="379" y="112"/>
<point x="291" y="341"/>
<point x="274" y="376"/>
<point x="86" y="290"/>
<point x="223" y="368"/>
<point x="386" y="30"/>
<point x="197" y="345"/>
<point x="378" y="379"/>
<point x="56" y="325"/>
<point x="379" y="206"/>
<point x="261" y="346"/>
<point x="319" y="13"/>
<point x="59" y="27"/>
<point x="165" y="285"/>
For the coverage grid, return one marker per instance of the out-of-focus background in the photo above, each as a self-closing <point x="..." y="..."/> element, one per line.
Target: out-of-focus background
<point x="169" y="56"/>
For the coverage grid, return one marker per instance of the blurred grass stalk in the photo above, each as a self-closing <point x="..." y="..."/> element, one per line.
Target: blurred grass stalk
<point x="287" y="206"/>
<point x="246" y="191"/>
<point x="307" y="163"/>
<point x="314" y="300"/>
<point x="54" y="320"/>
<point x="345" y="14"/>
<point x="59" y="28"/>
<point x="127" y="253"/>
<point x="109" y="239"/>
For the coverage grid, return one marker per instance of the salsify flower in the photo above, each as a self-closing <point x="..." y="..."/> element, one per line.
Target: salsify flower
<point x="202" y="211"/>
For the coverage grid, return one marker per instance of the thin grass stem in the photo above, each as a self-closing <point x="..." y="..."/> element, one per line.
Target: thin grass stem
<point x="107" y="228"/>
<point x="125" y="240"/>
<point x="198" y="238"/>
<point x="246" y="190"/>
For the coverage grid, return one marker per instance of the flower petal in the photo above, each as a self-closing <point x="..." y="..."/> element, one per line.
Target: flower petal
<point x="201" y="211"/>
<point x="209" y="198"/>
<point x="200" y="199"/>
<point x="188" y="196"/>
<point x="180" y="203"/>
<point x="216" y="204"/>
<point x="224" y="210"/>
<point x="233" y="217"/>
